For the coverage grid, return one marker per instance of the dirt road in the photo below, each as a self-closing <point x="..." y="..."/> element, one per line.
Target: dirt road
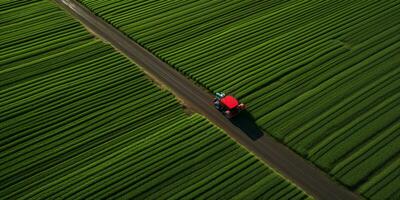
<point x="298" y="170"/>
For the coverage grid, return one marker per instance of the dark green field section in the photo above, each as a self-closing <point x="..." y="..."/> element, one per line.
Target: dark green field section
<point x="321" y="76"/>
<point x="80" y="121"/>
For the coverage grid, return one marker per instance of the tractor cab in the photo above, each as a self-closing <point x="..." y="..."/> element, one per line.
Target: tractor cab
<point x="228" y="105"/>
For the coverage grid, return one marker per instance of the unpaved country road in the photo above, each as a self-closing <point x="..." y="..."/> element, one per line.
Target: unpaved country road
<point x="298" y="170"/>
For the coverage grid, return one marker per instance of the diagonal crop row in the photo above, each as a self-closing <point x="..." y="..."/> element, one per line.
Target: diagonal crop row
<point x="79" y="121"/>
<point x="322" y="77"/>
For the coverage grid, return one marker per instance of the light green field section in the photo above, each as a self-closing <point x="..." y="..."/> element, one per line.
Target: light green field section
<point x="321" y="76"/>
<point x="79" y="121"/>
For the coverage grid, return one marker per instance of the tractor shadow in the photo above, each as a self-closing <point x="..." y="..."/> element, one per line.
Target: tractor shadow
<point x="246" y="123"/>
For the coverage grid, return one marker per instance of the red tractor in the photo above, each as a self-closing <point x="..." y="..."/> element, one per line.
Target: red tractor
<point x="228" y="105"/>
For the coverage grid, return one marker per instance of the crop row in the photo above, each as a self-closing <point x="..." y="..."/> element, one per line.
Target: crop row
<point x="322" y="77"/>
<point x="79" y="121"/>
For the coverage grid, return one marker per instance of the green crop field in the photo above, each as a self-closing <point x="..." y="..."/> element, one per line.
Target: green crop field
<point x="80" y="121"/>
<point x="321" y="76"/>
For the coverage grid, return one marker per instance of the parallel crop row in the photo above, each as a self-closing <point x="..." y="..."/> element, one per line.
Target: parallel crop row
<point x="79" y="121"/>
<point x="321" y="76"/>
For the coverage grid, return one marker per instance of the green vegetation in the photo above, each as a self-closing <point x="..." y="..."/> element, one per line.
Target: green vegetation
<point x="321" y="76"/>
<point x="79" y="121"/>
